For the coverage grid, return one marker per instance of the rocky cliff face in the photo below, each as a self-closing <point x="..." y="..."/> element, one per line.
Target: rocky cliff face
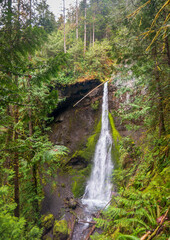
<point x="73" y="125"/>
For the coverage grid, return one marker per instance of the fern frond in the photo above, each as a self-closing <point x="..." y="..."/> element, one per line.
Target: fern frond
<point x="143" y="213"/>
<point x="101" y="223"/>
<point x="126" y="222"/>
<point x="113" y="212"/>
<point x="139" y="230"/>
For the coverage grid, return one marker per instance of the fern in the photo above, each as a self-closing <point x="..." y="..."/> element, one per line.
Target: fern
<point x="126" y="222"/>
<point x="113" y="212"/>
<point x="55" y="154"/>
<point x="143" y="213"/>
<point x="139" y="230"/>
<point x="102" y="223"/>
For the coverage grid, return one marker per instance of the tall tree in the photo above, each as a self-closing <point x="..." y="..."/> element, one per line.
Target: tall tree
<point x="45" y="18"/>
<point x="85" y="25"/>
<point x="64" y="19"/>
<point x="77" y="20"/>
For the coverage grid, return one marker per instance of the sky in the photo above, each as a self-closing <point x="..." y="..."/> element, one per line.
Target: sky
<point x="56" y="6"/>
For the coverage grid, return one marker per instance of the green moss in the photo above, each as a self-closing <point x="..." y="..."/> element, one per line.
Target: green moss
<point x="79" y="181"/>
<point x="95" y="105"/>
<point x="116" y="137"/>
<point x="60" y="230"/>
<point x="47" y="221"/>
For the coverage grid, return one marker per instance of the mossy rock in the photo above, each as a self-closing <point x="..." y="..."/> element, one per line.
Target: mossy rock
<point x="47" y="221"/>
<point x="60" y="230"/>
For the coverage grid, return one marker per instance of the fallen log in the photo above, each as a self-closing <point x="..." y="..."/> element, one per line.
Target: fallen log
<point x="90" y="232"/>
<point x="73" y="222"/>
<point x="82" y="221"/>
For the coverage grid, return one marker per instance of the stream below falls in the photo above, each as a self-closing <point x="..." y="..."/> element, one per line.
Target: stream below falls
<point x="98" y="189"/>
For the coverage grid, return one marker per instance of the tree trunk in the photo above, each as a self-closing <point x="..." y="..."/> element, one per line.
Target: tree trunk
<point x="64" y="17"/>
<point x="77" y="22"/>
<point x="34" y="168"/>
<point x="30" y="11"/>
<point x="16" y="162"/>
<point x="19" y="4"/>
<point x="167" y="48"/>
<point x="90" y="35"/>
<point x="29" y="110"/>
<point x="35" y="183"/>
<point x="93" y="30"/>
<point x="160" y="97"/>
<point x="9" y="13"/>
<point x="9" y="137"/>
<point x="85" y="13"/>
<point x="16" y="179"/>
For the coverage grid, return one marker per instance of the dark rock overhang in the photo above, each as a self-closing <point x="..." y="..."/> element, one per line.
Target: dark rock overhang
<point x="73" y="93"/>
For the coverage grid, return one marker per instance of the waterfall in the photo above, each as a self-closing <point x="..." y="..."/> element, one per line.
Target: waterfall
<point x="98" y="189"/>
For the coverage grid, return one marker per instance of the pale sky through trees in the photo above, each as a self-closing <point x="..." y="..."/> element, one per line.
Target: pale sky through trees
<point x="56" y="6"/>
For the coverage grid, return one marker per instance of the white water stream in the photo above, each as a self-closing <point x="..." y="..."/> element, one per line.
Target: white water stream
<point x="98" y="190"/>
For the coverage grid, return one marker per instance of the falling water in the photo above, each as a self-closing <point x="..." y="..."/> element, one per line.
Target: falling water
<point x="98" y="190"/>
